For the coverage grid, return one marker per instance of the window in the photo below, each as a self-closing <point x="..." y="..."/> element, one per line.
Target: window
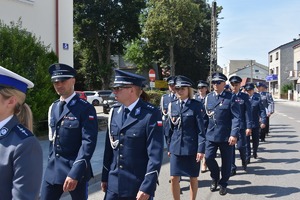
<point x="256" y="70"/>
<point x="276" y="55"/>
<point x="270" y="58"/>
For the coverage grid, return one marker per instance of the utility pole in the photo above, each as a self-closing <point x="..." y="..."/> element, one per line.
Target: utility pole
<point x="213" y="45"/>
<point x="251" y="67"/>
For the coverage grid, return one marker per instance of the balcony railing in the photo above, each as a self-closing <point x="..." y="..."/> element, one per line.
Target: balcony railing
<point x="294" y="74"/>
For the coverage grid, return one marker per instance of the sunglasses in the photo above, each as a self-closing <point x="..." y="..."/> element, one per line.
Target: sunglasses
<point x="180" y="88"/>
<point x="216" y="82"/>
<point x="120" y="88"/>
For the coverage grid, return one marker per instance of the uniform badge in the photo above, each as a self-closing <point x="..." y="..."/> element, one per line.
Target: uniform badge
<point x="72" y="102"/>
<point x="3" y="131"/>
<point x="137" y="111"/>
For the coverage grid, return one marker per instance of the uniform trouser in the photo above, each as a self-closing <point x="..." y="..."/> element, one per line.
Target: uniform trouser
<point x="54" y="192"/>
<point x="109" y="195"/>
<point x="265" y="131"/>
<point x="241" y="145"/>
<point x="226" y="160"/>
<point x="255" y="141"/>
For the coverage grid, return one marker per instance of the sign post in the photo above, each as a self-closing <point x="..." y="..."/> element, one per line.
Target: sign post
<point x="152" y="78"/>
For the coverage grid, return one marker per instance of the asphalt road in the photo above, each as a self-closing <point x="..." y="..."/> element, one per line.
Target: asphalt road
<point x="274" y="175"/>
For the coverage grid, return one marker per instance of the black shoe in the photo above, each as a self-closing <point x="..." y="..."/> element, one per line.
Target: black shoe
<point x="255" y="155"/>
<point x="223" y="190"/>
<point x="262" y="140"/>
<point x="233" y="172"/>
<point x="213" y="186"/>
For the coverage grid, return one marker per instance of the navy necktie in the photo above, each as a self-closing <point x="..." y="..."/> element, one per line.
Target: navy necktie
<point x="181" y="105"/>
<point x="125" y="114"/>
<point x="61" y="106"/>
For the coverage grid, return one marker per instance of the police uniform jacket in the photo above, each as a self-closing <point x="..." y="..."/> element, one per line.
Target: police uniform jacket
<point x="21" y="163"/>
<point x="205" y="117"/>
<point x="245" y="109"/>
<point x="133" y="151"/>
<point x="187" y="134"/>
<point x="73" y="137"/>
<point x="258" y="111"/>
<point x="224" y="116"/>
<point x="164" y="102"/>
<point x="267" y="101"/>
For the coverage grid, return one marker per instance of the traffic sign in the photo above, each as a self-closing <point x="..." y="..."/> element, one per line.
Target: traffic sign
<point x="152" y="75"/>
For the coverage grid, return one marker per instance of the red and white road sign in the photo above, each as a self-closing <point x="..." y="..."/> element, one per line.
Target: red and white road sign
<point x="152" y="75"/>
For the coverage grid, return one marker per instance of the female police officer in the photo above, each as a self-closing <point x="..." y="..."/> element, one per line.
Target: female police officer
<point x="187" y="137"/>
<point x="21" y="163"/>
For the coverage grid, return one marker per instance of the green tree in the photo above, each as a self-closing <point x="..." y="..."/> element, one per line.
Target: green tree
<point x="170" y="23"/>
<point x="26" y="55"/>
<point x="102" y="28"/>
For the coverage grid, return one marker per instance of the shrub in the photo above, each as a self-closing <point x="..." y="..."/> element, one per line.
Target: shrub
<point x="286" y="87"/>
<point x="24" y="54"/>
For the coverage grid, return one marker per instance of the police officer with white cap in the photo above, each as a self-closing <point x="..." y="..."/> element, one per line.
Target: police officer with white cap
<point x="21" y="163"/>
<point x="134" y="143"/>
<point x="222" y="132"/>
<point x="73" y="130"/>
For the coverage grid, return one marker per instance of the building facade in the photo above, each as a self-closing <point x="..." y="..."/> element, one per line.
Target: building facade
<point x="49" y="20"/>
<point x="281" y="66"/>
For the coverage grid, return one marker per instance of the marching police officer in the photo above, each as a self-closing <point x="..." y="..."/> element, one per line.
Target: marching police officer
<point x="268" y="103"/>
<point x="187" y="137"/>
<point x="134" y="143"/>
<point x="164" y="102"/>
<point x="73" y="130"/>
<point x="259" y="120"/>
<point x="245" y="121"/>
<point x="222" y="132"/>
<point x="202" y="87"/>
<point x="21" y="163"/>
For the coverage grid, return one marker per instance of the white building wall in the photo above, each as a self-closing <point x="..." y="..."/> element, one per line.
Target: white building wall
<point x="39" y="18"/>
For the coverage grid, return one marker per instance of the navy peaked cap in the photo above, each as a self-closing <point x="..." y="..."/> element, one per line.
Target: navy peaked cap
<point x="202" y="83"/>
<point x="249" y="86"/>
<point x="235" y="79"/>
<point x="13" y="80"/>
<point x="219" y="77"/>
<point x="61" y="72"/>
<point x="183" y="81"/>
<point x="171" y="80"/>
<point x="260" y="84"/>
<point x="126" y="78"/>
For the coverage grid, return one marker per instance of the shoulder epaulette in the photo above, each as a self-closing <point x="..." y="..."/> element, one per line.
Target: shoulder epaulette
<point x="22" y="131"/>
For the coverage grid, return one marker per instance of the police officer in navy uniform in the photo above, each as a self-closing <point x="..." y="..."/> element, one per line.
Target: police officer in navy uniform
<point x="73" y="130"/>
<point x="259" y="120"/>
<point x="134" y="143"/>
<point x="268" y="103"/>
<point x="164" y="102"/>
<point x="202" y="87"/>
<point x="222" y="132"/>
<point x="246" y="121"/>
<point x="21" y="163"/>
<point x="187" y="137"/>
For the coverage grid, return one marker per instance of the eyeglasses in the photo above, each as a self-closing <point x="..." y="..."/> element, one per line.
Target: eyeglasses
<point x="180" y="88"/>
<point x="216" y="82"/>
<point x="120" y="88"/>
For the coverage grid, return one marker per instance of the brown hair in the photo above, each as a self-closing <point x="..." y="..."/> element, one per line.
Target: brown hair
<point x="21" y="110"/>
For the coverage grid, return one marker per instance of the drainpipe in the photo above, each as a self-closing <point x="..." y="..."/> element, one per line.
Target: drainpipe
<point x="56" y="28"/>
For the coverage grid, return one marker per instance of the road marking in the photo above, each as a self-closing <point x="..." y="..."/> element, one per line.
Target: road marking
<point x="291" y="118"/>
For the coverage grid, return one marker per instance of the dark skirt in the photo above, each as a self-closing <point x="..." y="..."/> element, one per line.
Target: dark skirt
<point x="184" y="166"/>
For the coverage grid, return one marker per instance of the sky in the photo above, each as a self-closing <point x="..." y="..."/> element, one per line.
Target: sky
<point x="252" y="28"/>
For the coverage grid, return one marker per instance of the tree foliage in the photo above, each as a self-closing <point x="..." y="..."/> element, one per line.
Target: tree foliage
<point x="102" y="28"/>
<point x="170" y="23"/>
<point x="23" y="53"/>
